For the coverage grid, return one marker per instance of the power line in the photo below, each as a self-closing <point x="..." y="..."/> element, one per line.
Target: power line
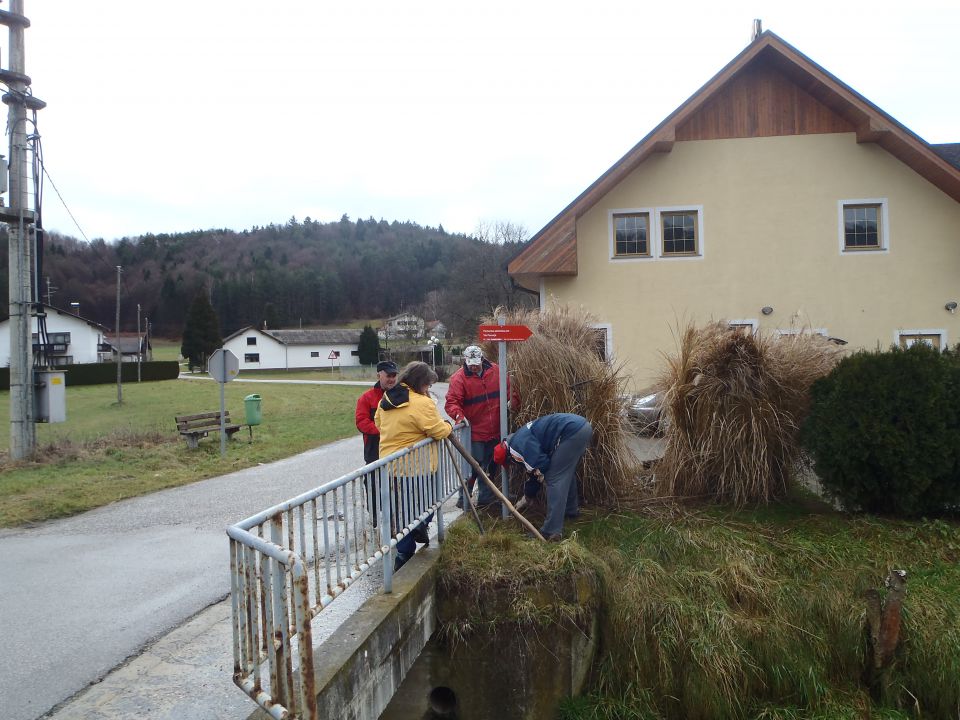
<point x="64" y="202"/>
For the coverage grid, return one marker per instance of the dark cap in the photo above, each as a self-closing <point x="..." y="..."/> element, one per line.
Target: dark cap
<point x="387" y="366"/>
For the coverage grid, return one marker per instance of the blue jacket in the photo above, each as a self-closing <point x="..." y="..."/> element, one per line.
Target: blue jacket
<point x="534" y="443"/>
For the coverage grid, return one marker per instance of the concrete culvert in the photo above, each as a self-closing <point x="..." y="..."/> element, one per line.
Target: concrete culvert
<point x="443" y="702"/>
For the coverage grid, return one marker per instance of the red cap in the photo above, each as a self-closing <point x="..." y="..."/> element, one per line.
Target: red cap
<point x="500" y="453"/>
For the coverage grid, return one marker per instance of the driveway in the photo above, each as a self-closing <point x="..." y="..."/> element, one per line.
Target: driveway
<point x="81" y="595"/>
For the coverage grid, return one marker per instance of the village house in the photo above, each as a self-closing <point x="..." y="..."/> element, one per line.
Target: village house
<point x="404" y="325"/>
<point x="70" y="339"/>
<point x="776" y="198"/>
<point x="287" y="349"/>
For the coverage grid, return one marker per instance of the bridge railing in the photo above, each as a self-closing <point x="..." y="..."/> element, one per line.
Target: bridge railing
<point x="291" y="561"/>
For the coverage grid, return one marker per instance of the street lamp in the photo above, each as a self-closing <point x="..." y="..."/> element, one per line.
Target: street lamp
<point x="433" y="352"/>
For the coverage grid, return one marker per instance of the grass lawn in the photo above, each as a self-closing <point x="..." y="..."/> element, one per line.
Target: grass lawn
<point x="106" y="452"/>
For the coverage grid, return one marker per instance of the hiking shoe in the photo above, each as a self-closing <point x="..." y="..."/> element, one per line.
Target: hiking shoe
<point x="554" y="538"/>
<point x="421" y="535"/>
<point x="460" y="503"/>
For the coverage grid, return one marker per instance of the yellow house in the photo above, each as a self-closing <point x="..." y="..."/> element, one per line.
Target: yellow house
<point x="776" y="197"/>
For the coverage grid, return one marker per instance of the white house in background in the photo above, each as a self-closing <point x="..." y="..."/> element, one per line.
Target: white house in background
<point x="404" y="325"/>
<point x="287" y="349"/>
<point x="70" y="340"/>
<point x="437" y="329"/>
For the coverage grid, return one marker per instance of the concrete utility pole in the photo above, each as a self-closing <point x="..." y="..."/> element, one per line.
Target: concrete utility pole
<point x="139" y="343"/>
<point x="116" y="338"/>
<point x="51" y="289"/>
<point x="18" y="216"/>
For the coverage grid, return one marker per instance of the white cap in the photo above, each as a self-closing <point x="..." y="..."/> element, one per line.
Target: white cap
<point x="473" y="355"/>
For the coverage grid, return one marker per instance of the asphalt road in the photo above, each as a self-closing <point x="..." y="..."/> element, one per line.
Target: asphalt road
<point x="81" y="595"/>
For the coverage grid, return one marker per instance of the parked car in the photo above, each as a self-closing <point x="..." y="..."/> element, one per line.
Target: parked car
<point x="645" y="413"/>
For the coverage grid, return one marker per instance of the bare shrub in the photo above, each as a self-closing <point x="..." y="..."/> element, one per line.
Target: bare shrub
<point x="735" y="402"/>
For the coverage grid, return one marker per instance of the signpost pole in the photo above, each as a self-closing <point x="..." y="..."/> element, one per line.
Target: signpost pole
<point x="223" y="367"/>
<point x="504" y="402"/>
<point x="223" y="406"/>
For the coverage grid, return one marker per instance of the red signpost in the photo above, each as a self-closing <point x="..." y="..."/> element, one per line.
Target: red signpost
<point x="503" y="333"/>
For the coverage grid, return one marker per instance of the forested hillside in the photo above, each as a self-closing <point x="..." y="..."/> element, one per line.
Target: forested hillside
<point x="301" y="272"/>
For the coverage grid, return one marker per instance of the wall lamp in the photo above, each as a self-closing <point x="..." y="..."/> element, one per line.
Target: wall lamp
<point x="767" y="310"/>
<point x="951" y="306"/>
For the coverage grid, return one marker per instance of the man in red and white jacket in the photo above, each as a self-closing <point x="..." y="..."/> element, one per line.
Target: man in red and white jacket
<point x="367" y="406"/>
<point x="474" y="395"/>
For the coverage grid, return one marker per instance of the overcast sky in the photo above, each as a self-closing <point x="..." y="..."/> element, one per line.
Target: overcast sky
<point x="166" y="117"/>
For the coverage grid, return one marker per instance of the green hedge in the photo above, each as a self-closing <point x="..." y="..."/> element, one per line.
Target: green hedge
<point x="884" y="431"/>
<point x="106" y="373"/>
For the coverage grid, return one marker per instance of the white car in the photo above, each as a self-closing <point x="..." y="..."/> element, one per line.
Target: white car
<point x="645" y="413"/>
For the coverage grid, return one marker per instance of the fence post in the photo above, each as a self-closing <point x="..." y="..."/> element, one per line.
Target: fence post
<point x="301" y="602"/>
<point x="385" y="529"/>
<point x="282" y="671"/>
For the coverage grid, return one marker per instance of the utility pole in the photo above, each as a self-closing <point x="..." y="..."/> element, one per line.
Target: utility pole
<point x="139" y="343"/>
<point x="19" y="216"/>
<point x="116" y="337"/>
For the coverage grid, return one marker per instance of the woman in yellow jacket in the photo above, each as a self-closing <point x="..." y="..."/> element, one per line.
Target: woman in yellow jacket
<point x="405" y="416"/>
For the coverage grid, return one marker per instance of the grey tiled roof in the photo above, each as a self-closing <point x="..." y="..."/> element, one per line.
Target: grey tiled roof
<point x="949" y="152"/>
<point x="333" y="336"/>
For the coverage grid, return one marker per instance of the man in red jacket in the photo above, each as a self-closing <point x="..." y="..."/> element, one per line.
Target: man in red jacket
<point x="474" y="395"/>
<point x="367" y="406"/>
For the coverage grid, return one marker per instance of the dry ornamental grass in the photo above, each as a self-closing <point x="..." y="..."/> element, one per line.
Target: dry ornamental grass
<point x="559" y="370"/>
<point x="735" y="402"/>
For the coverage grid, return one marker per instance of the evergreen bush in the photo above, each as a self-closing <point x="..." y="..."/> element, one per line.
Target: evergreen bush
<point x="883" y="431"/>
<point x="106" y="373"/>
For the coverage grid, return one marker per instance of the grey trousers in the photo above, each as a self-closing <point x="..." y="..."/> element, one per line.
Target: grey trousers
<point x="561" y="479"/>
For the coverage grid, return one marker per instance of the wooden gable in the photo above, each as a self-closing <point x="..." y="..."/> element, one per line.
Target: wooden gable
<point x="760" y="101"/>
<point x="769" y="89"/>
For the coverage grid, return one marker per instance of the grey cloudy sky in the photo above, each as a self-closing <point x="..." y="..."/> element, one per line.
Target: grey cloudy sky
<point x="170" y="117"/>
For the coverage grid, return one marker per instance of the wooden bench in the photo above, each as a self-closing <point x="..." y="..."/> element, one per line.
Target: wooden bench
<point x="194" y="427"/>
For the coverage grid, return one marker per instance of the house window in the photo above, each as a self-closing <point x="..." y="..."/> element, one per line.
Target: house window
<point x="252" y="340"/>
<point x="601" y="341"/>
<point x="933" y="338"/>
<point x="315" y="353"/>
<point x="631" y="234"/>
<point x="747" y="327"/>
<point x="251" y="357"/>
<point x="863" y="226"/>
<point x="679" y="232"/>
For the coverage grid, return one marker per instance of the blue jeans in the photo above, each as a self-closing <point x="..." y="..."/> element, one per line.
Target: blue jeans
<point x="482" y="451"/>
<point x="407" y="546"/>
<point x="561" y="479"/>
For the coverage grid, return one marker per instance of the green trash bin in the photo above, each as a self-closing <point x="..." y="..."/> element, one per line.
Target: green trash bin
<point x="251" y="405"/>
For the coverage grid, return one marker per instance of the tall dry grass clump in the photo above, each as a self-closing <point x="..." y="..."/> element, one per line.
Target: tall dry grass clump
<point x="735" y="402"/>
<point x="559" y="370"/>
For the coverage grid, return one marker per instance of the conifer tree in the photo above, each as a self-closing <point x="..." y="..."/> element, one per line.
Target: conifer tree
<point x="201" y="332"/>
<point x="369" y="346"/>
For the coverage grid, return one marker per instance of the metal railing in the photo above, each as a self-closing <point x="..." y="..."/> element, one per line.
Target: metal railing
<point x="290" y="562"/>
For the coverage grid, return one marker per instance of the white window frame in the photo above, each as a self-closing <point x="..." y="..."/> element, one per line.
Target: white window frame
<point x="884" y="227"/>
<point x="752" y="322"/>
<point x="942" y="332"/>
<point x="655" y="233"/>
<point x="651" y="234"/>
<point x="608" y="328"/>
<point x="701" y="241"/>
